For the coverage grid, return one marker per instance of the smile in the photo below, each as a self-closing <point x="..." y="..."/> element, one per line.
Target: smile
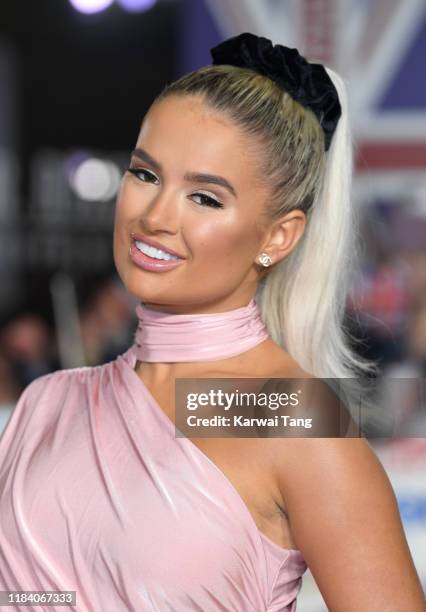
<point x="153" y="252"/>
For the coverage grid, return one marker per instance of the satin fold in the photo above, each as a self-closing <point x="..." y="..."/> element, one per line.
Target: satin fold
<point x="98" y="496"/>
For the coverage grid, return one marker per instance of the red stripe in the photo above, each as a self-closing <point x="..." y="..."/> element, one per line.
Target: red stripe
<point x="390" y="156"/>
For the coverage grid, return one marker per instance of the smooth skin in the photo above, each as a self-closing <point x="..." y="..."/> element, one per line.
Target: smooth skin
<point x="340" y="508"/>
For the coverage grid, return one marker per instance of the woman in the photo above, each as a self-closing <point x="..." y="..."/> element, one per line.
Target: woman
<point x="235" y="191"/>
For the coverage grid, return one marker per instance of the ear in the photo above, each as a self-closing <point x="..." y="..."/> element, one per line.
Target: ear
<point x="283" y="235"/>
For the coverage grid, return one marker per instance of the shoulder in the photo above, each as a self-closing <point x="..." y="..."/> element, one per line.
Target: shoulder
<point x="44" y="399"/>
<point x="329" y="478"/>
<point x="51" y="389"/>
<point x="57" y="379"/>
<point x="73" y="379"/>
<point x="327" y="458"/>
<point x="325" y="404"/>
<point x="344" y="519"/>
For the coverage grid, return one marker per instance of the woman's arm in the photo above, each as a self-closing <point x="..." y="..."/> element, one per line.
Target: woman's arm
<point x="345" y="521"/>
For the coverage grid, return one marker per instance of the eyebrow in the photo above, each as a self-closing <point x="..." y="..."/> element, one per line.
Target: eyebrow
<point x="195" y="177"/>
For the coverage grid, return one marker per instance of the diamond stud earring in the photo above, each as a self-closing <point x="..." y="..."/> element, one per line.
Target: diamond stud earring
<point x="265" y="260"/>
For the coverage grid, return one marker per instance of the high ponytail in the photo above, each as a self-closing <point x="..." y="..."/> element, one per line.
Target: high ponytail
<point x="303" y="299"/>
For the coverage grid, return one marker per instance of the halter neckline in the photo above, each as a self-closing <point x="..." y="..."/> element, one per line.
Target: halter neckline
<point x="168" y="337"/>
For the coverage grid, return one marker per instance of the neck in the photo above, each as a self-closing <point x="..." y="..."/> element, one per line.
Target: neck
<point x="240" y="366"/>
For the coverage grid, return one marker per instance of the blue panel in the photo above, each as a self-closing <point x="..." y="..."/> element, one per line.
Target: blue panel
<point x="408" y="90"/>
<point x="197" y="34"/>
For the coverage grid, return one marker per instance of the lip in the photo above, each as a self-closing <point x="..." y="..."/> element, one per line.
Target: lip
<point x="155" y="244"/>
<point x="145" y="262"/>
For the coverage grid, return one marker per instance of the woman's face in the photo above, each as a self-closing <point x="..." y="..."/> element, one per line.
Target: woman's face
<point x="215" y="229"/>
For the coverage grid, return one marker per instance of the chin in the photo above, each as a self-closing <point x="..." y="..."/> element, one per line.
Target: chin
<point x="142" y="289"/>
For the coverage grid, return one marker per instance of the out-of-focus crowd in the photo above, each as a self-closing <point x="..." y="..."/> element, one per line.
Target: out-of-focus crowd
<point x="386" y="311"/>
<point x="29" y="346"/>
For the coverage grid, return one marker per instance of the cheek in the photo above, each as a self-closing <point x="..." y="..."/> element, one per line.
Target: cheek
<point x="124" y="212"/>
<point x="225" y="240"/>
<point x="125" y="205"/>
<point x="127" y="209"/>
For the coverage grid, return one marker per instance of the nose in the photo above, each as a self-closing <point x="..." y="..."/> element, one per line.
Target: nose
<point x="161" y="214"/>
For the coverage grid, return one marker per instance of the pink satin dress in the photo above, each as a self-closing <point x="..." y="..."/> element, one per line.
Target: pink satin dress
<point x="98" y="496"/>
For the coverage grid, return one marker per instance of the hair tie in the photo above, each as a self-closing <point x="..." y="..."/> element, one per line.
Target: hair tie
<point x="309" y="84"/>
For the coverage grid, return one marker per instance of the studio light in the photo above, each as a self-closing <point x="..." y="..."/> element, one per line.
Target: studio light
<point x="93" y="179"/>
<point x="90" y="6"/>
<point x="136" y="6"/>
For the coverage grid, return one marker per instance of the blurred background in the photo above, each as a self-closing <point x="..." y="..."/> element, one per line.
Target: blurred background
<point x="77" y="76"/>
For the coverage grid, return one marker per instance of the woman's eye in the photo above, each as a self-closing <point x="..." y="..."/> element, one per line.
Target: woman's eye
<point x="148" y="177"/>
<point x="208" y="201"/>
<point x="140" y="171"/>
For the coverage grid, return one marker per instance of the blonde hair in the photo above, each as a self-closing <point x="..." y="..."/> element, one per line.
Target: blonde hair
<point x="303" y="297"/>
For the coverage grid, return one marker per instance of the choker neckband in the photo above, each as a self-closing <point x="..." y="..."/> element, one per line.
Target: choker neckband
<point x="168" y="337"/>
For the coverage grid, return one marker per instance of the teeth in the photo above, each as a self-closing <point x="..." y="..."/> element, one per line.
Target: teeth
<point x="152" y="252"/>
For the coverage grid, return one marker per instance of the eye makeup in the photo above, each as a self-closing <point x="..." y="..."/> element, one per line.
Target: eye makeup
<point x="208" y="199"/>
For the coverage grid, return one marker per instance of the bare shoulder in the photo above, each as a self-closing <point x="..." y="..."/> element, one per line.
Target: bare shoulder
<point x="279" y="363"/>
<point x="322" y="404"/>
<point x="341" y="508"/>
<point x="344" y="518"/>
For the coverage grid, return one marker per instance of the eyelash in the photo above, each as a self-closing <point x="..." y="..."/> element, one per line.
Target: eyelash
<point x="212" y="202"/>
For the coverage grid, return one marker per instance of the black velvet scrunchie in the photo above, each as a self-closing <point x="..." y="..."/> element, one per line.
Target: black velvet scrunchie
<point x="308" y="84"/>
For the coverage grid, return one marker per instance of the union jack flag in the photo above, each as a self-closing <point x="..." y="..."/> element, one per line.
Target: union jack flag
<point x="379" y="47"/>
